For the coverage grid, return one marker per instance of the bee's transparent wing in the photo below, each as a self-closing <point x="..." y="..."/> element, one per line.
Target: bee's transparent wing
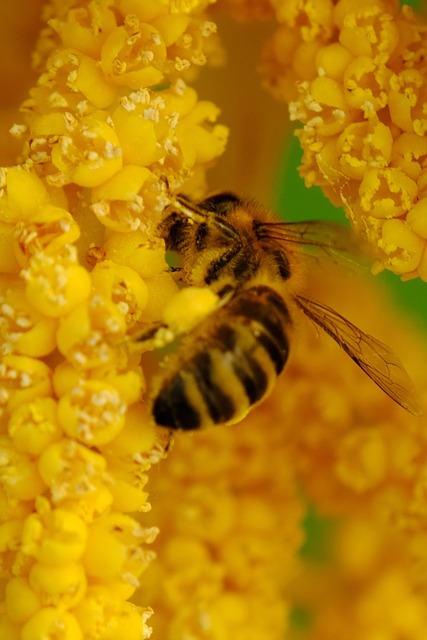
<point x="338" y="241"/>
<point x="375" y="358"/>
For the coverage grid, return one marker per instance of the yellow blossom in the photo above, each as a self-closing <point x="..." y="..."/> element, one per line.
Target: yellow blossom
<point x="352" y="74"/>
<point x="227" y="552"/>
<point x="109" y="123"/>
<point x="23" y="329"/>
<point x="34" y="425"/>
<point x="48" y="620"/>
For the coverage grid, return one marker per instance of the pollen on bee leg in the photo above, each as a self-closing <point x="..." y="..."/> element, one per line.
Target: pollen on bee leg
<point x="188" y="307"/>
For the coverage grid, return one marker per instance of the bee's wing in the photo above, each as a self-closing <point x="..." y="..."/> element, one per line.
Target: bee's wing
<point x="334" y="239"/>
<point x="375" y="358"/>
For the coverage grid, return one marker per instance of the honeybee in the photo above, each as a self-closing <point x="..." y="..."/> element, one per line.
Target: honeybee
<point x="230" y="361"/>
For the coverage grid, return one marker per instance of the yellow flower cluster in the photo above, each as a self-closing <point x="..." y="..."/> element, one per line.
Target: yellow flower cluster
<point x="230" y="519"/>
<point x="361" y="460"/>
<point x="230" y="502"/>
<point x="110" y="122"/>
<point x="353" y="73"/>
<point x="367" y="588"/>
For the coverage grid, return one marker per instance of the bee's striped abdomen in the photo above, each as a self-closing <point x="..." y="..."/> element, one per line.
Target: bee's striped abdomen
<point x="233" y="362"/>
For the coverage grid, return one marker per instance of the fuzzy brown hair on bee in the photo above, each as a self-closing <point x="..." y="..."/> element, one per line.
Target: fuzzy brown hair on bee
<point x="230" y="360"/>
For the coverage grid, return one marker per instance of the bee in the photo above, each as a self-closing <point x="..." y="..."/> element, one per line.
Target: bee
<point x="230" y="361"/>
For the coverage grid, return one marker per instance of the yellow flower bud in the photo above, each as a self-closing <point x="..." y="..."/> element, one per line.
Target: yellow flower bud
<point x="25" y="193"/>
<point x="103" y="608"/>
<point x="24" y="330"/>
<point x="92" y="413"/>
<point x="160" y="289"/>
<point x="85" y="28"/>
<point x="199" y="138"/>
<point x="146" y="257"/>
<point x="130" y="384"/>
<point x="409" y="151"/>
<point x="56" y="284"/>
<point x="23" y="380"/>
<point x="10" y="535"/>
<point x="54" y="536"/>
<point x="122" y="202"/>
<point x="62" y="586"/>
<point x="10" y="509"/>
<point x="137" y="435"/>
<point x="124" y="185"/>
<point x="21" y="601"/>
<point x="386" y="193"/>
<point x="19" y="475"/>
<point x="65" y="377"/>
<point x="128" y="498"/>
<point x="181" y="101"/>
<point x="34" y="425"/>
<point x="332" y="60"/>
<point x="134" y="55"/>
<point x="85" y="335"/>
<point x="327" y="91"/>
<point x="402" y="246"/>
<point x="50" y="124"/>
<point x="49" y="231"/>
<point x="417" y="218"/>
<point x="89" y="154"/>
<point x="137" y="138"/>
<point x="171" y="27"/>
<point x="75" y="474"/>
<point x="364" y="144"/>
<point x="365" y="84"/>
<point x="356" y="34"/>
<point x="400" y="110"/>
<point x="346" y="11"/>
<point x="51" y="622"/>
<point x="403" y="97"/>
<point x="123" y="286"/>
<point x="92" y="83"/>
<point x="118" y="537"/>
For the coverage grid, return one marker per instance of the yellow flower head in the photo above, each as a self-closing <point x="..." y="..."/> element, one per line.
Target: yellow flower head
<point x="353" y="76"/>
<point x="110" y="126"/>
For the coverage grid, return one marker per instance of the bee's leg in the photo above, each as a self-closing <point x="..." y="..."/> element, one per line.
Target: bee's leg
<point x="156" y="336"/>
<point x="175" y="230"/>
<point x="226" y="293"/>
<point x="216" y="267"/>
